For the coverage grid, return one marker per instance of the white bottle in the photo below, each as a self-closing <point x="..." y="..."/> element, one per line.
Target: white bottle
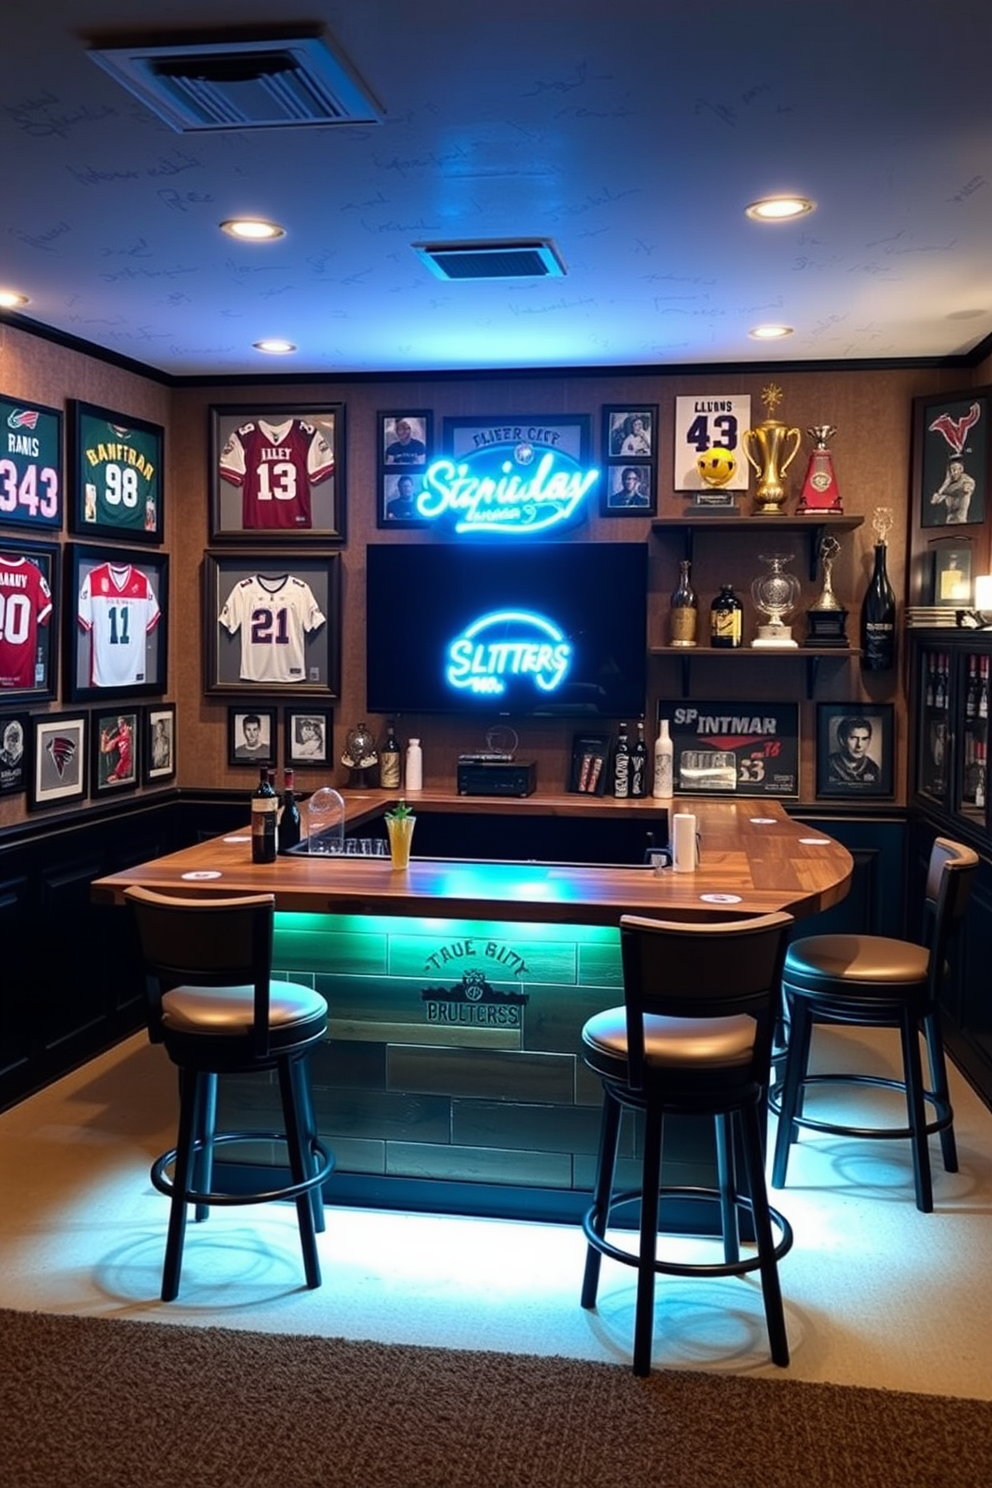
<point x="414" y="766"/>
<point x="664" y="756"/>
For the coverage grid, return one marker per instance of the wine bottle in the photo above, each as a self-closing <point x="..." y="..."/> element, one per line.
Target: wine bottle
<point x="664" y="758"/>
<point x="726" y="619"/>
<point x="389" y="760"/>
<point x="264" y="808"/>
<point x="289" y="817"/>
<point x="983" y="688"/>
<point x="639" y="765"/>
<point x="685" y="608"/>
<point x="621" y="765"/>
<point x="878" y="619"/>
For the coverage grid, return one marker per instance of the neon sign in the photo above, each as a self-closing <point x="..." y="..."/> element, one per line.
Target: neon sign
<point x="508" y="644"/>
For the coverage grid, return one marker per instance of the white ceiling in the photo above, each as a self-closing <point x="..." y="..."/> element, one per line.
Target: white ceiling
<point x="631" y="132"/>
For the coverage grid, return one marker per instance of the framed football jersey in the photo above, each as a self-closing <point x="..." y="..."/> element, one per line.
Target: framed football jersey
<point x="117" y="475"/>
<point x="276" y="473"/>
<point x="117" y="604"/>
<point x="31" y="487"/>
<point x="28" y="621"/>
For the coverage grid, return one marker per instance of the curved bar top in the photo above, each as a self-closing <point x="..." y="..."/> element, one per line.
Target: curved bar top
<point x="753" y="859"/>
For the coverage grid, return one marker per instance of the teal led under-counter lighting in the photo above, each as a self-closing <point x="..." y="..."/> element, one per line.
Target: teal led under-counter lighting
<point x="289" y="922"/>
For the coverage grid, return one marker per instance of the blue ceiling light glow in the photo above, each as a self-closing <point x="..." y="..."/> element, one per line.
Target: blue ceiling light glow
<point x="511" y="643"/>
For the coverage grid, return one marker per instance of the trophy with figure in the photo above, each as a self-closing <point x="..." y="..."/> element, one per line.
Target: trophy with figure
<point x="826" y="617"/>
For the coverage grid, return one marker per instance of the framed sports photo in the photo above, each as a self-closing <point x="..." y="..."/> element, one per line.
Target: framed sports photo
<point x="406" y="446"/>
<point x="854" y="750"/>
<point x="116" y="463"/>
<point x="29" y="621"/>
<point x="277" y="472"/>
<point x="629" y="490"/>
<point x="115" y="759"/>
<point x="251" y="735"/>
<point x="307" y="737"/>
<point x="629" y="486"/>
<point x="950" y="437"/>
<point x="117" y="623"/>
<point x="704" y="425"/>
<point x="160" y="743"/>
<point x="31" y="486"/>
<point x="15" y="732"/>
<point x="630" y="433"/>
<point x="58" y="759"/>
<point x="272" y="623"/>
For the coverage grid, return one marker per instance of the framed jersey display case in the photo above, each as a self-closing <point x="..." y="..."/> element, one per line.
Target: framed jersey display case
<point x="276" y="473"/>
<point x="116" y="623"/>
<point x="117" y="487"/>
<point x="31" y="493"/>
<point x="272" y="623"/>
<point x="28" y="621"/>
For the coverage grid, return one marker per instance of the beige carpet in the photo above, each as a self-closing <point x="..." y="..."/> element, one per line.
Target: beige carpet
<point x="90" y="1403"/>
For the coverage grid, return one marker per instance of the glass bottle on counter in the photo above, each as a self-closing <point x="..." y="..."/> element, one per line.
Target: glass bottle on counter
<point x="414" y="766"/>
<point x="664" y="763"/>
<point x="289" y="817"/>
<point x="621" y="765"/>
<point x="684" y="614"/>
<point x="639" y="765"/>
<point x="264" y="810"/>
<point x="389" y="760"/>
<point x="726" y="619"/>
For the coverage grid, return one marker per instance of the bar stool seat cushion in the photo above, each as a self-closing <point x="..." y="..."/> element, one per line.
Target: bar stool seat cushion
<point x="231" y="1010"/>
<point x="834" y="962"/>
<point x="669" y="1042"/>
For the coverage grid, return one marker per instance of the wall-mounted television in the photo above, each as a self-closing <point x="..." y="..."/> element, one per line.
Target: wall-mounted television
<point x="542" y="630"/>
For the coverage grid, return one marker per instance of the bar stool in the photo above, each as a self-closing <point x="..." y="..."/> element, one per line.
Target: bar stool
<point x="694" y="1036"/>
<point x="215" y="1009"/>
<point x="872" y="981"/>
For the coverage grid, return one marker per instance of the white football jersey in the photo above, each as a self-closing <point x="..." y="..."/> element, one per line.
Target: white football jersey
<point x="118" y="608"/>
<point x="274" y="615"/>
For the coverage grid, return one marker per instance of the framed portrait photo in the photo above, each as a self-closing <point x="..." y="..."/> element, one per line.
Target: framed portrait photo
<point x="58" y="759"/>
<point x="854" y="750"/>
<point x="116" y="464"/>
<point x="405" y="439"/>
<point x="117" y="623"/>
<point x="630" y="432"/>
<point x="951" y="448"/>
<point x="307" y="735"/>
<point x="277" y="472"/>
<point x="29" y="620"/>
<point x="15" y="734"/>
<point x="115" y="758"/>
<point x="629" y="490"/>
<point x="31" y="485"/>
<point x="251" y="735"/>
<point x="160" y="743"/>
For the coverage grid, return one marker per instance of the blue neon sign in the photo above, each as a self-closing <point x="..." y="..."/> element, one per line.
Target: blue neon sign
<point x="508" y="644"/>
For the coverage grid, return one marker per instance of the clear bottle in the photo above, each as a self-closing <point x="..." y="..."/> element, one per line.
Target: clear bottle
<point x="621" y="765"/>
<point x="684" y="614"/>
<point x="664" y="763"/>
<point x="264" y="815"/>
<point x="414" y="766"/>
<point x="878" y="619"/>
<point x="726" y="619"/>
<point x="290" y="829"/>
<point x="639" y="765"/>
<point x="389" y="760"/>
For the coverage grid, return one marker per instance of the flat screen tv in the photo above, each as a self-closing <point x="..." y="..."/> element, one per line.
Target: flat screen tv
<point x="539" y="630"/>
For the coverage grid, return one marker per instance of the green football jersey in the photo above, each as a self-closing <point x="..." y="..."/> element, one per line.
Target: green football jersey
<point x="121" y="476"/>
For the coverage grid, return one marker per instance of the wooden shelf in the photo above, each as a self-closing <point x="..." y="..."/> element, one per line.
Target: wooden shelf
<point x="815" y="524"/>
<point x="811" y="655"/>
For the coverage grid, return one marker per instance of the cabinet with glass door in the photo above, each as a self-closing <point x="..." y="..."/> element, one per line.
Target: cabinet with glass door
<point x="950" y="707"/>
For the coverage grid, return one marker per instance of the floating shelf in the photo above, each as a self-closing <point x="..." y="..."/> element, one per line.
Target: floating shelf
<point x="816" y="526"/>
<point x="811" y="655"/>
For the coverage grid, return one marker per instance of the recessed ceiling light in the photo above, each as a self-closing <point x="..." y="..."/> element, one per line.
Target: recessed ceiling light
<point x="769" y="332"/>
<point x="11" y="300"/>
<point x="274" y="346"/>
<point x="252" y="229"/>
<point x="779" y="208"/>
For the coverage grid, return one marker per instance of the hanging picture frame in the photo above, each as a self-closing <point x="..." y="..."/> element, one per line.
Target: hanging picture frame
<point x="116" y="623"/>
<point x="307" y="737"/>
<point x="160" y="743"/>
<point x="854" y="750"/>
<point x="116" y="463"/>
<point x="251" y="735"/>
<point x="630" y="455"/>
<point x="277" y="472"/>
<point x="406" y="447"/>
<point x="115" y="758"/>
<point x="15" y="734"/>
<point x="58" y="759"/>
<point x="31" y="484"/>
<point x="29" y="621"/>
<point x="950" y="436"/>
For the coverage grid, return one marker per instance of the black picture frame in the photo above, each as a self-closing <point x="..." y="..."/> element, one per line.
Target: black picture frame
<point x="15" y="739"/>
<point x="58" y="759"/>
<point x="308" y="738"/>
<point x="160" y="741"/>
<point x="32" y="485"/>
<point x="838" y="773"/>
<point x="226" y="659"/>
<point x="305" y="499"/>
<point x="951" y="571"/>
<point x="630" y="438"/>
<point x="952" y="427"/>
<point x="629" y="490"/>
<point x="104" y="658"/>
<point x="403" y="460"/>
<point x="742" y="749"/>
<point x="251" y="736"/>
<point x="117" y="464"/>
<point x="115" y="755"/>
<point x="36" y="678"/>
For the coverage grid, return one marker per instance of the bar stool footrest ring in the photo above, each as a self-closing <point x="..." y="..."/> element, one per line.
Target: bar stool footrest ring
<point x="163" y="1181"/>
<point x="686" y="1268"/>
<point x="944" y="1117"/>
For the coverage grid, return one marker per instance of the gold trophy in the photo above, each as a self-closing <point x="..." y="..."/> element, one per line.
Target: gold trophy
<point x="777" y="447"/>
<point x="825" y="620"/>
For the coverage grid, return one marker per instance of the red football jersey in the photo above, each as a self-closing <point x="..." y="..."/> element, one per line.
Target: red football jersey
<point x="25" y="603"/>
<point x="276" y="465"/>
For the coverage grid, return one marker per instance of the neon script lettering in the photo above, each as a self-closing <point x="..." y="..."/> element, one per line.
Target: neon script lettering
<point x="512" y="643"/>
<point x="509" y="502"/>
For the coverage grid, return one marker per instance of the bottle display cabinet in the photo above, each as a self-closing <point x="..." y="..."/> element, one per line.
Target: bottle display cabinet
<point x="949" y="711"/>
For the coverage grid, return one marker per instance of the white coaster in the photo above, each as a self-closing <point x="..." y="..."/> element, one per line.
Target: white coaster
<point x="237" y="839"/>
<point x="815" y="841"/>
<point x="203" y="873"/>
<point x="720" y="898"/>
<point x="762" y="821"/>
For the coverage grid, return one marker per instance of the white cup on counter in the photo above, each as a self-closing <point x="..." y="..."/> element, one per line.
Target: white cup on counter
<point x="685" y="843"/>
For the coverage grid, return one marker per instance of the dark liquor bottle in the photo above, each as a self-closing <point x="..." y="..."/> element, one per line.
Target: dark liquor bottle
<point x="971" y="695"/>
<point x="389" y="760"/>
<point x="983" y="688"/>
<point x="878" y="620"/>
<point x="726" y="619"/>
<point x="289" y="817"/>
<point x="639" y="765"/>
<point x="621" y="765"/>
<point x="940" y="689"/>
<point x="264" y="811"/>
<point x="685" y="608"/>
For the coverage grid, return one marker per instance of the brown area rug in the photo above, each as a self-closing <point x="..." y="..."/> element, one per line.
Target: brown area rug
<point x="94" y="1403"/>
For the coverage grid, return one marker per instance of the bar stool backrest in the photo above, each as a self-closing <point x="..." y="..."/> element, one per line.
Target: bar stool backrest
<point x="950" y="875"/>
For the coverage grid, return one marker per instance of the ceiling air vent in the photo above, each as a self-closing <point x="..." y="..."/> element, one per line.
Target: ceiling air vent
<point x="235" y="81"/>
<point x="526" y="258"/>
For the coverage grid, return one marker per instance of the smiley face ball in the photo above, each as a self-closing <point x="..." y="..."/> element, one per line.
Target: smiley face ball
<point x="716" y="466"/>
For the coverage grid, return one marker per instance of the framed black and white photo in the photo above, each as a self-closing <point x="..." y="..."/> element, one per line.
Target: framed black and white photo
<point x="277" y="472"/>
<point x="272" y="623"/>
<point x="29" y="621"/>
<point x="58" y="759"/>
<point x="251" y="735"/>
<point x="31" y="485"/>
<point x="629" y="485"/>
<point x="14" y="759"/>
<point x="116" y="462"/>
<point x="116" y="753"/>
<point x="854" y="750"/>
<point x="950" y="437"/>
<point x="117" y="623"/>
<point x="630" y="433"/>
<point x="629" y="491"/>
<point x="160" y="743"/>
<point x="307" y="737"/>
